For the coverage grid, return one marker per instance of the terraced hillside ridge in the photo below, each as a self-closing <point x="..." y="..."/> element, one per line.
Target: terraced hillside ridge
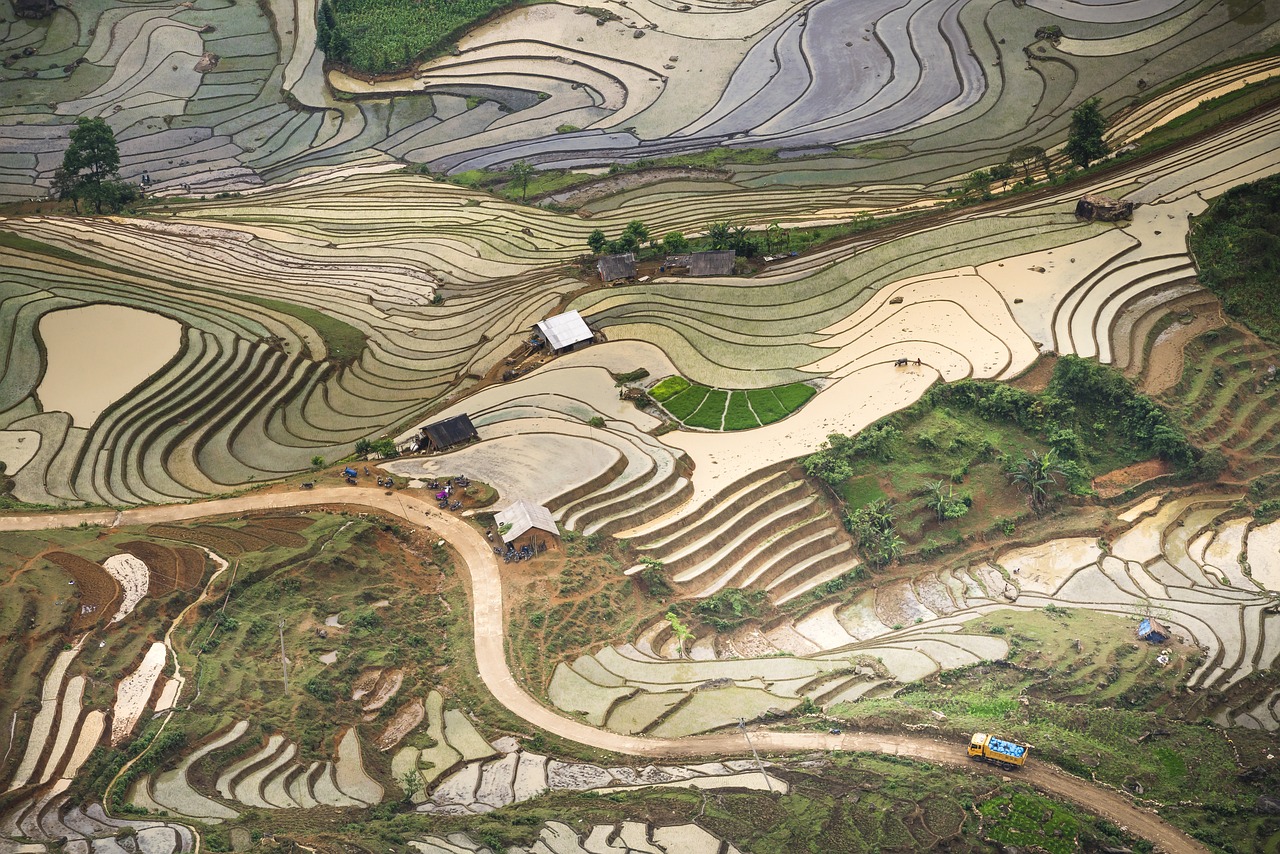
<point x="1205" y="570"/>
<point x="1227" y="396"/>
<point x="489" y="635"/>
<point x="222" y="98"/>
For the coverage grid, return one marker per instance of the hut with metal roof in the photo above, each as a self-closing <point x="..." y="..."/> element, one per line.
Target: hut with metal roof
<point x="565" y="332"/>
<point x="524" y="523"/>
<point x="717" y="263"/>
<point x="446" y="433"/>
<point x="614" y="267"/>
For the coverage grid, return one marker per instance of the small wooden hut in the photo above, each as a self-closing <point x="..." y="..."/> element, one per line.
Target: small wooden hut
<point x="444" y="434"/>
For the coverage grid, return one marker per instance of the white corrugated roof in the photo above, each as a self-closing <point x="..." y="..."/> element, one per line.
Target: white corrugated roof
<point x="523" y="516"/>
<point x="564" y="330"/>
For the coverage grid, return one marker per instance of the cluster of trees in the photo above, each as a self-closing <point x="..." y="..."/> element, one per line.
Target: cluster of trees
<point x="1085" y="145"/>
<point x="873" y="527"/>
<point x="89" y="168"/>
<point x="385" y="448"/>
<point x="719" y="235"/>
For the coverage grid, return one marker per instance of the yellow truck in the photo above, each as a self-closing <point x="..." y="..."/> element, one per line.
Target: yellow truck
<point x="1006" y="754"/>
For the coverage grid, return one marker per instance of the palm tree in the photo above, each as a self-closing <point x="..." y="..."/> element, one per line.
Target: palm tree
<point x="1034" y="474"/>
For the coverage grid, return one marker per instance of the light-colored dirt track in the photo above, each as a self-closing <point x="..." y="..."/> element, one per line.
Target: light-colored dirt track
<point x="486" y="589"/>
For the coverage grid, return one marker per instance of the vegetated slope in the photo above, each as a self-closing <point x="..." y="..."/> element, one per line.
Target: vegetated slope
<point x="1236" y="245"/>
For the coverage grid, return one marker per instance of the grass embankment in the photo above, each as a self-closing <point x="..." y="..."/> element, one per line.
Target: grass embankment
<point x="706" y="408"/>
<point x="1090" y="699"/>
<point x="344" y="342"/>
<point x="1236" y="245"/>
<point x="970" y="437"/>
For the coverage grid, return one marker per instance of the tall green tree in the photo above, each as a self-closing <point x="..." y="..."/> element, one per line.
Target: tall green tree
<point x="635" y="235"/>
<point x="89" y="167"/>
<point x="596" y="241"/>
<point x="1084" y="141"/>
<point x="521" y="172"/>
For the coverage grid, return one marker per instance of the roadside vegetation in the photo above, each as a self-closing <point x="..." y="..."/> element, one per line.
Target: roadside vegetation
<point x="836" y="802"/>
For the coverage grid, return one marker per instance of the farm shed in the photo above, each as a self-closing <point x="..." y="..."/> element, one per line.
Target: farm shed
<point x="614" y="267"/>
<point x="1152" y="631"/>
<point x="447" y="433"/>
<point x="1103" y="209"/>
<point x="564" y="332"/>
<point x="717" y="263"/>
<point x="526" y="524"/>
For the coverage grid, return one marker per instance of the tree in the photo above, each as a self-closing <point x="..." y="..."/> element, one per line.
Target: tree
<point x="64" y="187"/>
<point x="1034" y="474"/>
<point x="411" y="782"/>
<point x="634" y="236"/>
<point x="942" y="500"/>
<point x="720" y="233"/>
<point x="89" y="167"/>
<point x="597" y="241"/>
<point x="675" y="243"/>
<point x="682" y="632"/>
<point x="1024" y="156"/>
<point x="1084" y="141"/>
<point x="978" y="183"/>
<point x="1002" y="172"/>
<point x="872" y="525"/>
<point x="521" y="172"/>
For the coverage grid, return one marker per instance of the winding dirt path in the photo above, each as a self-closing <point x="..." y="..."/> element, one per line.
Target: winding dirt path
<point x="486" y="597"/>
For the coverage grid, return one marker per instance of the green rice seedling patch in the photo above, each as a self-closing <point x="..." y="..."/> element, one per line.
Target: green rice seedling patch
<point x="793" y="396"/>
<point x="379" y="36"/>
<point x="669" y="388"/>
<point x="687" y="402"/>
<point x="710" y="415"/>
<point x="766" y="406"/>
<point x="720" y="409"/>
<point x="738" y="414"/>
<point x="1031" y="821"/>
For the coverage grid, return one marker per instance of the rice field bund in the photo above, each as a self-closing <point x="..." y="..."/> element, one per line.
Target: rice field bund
<point x="670" y="428"/>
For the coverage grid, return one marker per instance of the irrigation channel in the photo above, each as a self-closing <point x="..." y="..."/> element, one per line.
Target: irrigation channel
<point x="487" y="612"/>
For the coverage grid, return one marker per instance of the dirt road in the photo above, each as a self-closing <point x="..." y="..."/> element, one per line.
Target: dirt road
<point x="486" y="590"/>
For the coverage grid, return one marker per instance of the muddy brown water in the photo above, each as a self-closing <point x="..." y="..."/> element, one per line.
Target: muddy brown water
<point x="95" y="354"/>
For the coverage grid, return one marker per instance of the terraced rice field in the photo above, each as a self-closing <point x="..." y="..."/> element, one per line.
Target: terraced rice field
<point x="217" y="97"/>
<point x="231" y="340"/>
<point x="1183" y="559"/>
